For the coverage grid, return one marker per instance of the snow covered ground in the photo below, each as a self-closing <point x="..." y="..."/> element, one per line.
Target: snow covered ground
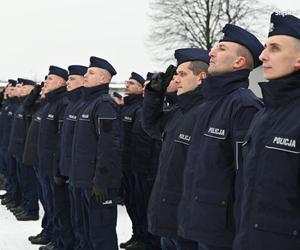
<point x="14" y="234"/>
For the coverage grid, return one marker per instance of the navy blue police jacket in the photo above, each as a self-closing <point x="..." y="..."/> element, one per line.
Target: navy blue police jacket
<point x="96" y="152"/>
<point x="8" y="115"/>
<point x="210" y="187"/>
<point x="20" y="124"/>
<point x="50" y="131"/>
<point x="128" y="112"/>
<point x="71" y="113"/>
<point x="174" y="126"/>
<point x="271" y="199"/>
<point x="30" y="154"/>
<point x="144" y="149"/>
<point x="3" y="114"/>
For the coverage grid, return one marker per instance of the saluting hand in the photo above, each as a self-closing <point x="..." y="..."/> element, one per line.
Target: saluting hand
<point x="161" y="81"/>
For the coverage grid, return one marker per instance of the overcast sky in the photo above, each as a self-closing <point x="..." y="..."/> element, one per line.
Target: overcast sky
<point x="38" y="33"/>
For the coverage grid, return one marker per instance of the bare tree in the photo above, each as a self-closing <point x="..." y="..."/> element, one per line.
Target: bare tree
<point x="199" y="23"/>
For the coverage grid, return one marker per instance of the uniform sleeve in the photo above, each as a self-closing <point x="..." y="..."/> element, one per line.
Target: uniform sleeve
<point x="153" y="117"/>
<point x="108" y="159"/>
<point x="240" y="127"/>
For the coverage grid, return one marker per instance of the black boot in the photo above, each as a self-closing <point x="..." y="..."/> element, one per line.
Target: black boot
<point x="30" y="238"/>
<point x="11" y="205"/>
<point x="6" y="200"/>
<point x="26" y="217"/>
<point x="49" y="246"/>
<point x="40" y="240"/>
<point x="127" y="243"/>
<point x="137" y="245"/>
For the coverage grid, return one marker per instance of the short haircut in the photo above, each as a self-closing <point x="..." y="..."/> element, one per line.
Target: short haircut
<point x="297" y="44"/>
<point x="198" y="66"/>
<point x="244" y="52"/>
<point x="108" y="76"/>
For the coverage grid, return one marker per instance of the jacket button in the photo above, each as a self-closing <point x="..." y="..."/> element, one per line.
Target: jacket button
<point x="295" y="232"/>
<point x="163" y="199"/>
<point x="256" y="225"/>
<point x="196" y="197"/>
<point x="223" y="202"/>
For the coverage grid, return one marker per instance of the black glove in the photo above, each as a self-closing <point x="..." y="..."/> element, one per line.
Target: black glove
<point x="101" y="194"/>
<point x="60" y="180"/>
<point x="161" y="81"/>
<point x="32" y="97"/>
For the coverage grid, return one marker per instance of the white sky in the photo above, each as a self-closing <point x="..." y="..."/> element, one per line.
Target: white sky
<point x="38" y="33"/>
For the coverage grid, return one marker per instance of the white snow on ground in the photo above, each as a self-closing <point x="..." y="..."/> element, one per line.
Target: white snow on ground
<point x="14" y="234"/>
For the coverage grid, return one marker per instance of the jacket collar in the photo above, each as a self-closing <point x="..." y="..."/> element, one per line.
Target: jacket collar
<point x="130" y="99"/>
<point x="282" y="90"/>
<point x="94" y="92"/>
<point x="216" y="86"/>
<point x="75" y="94"/>
<point x="55" y="94"/>
<point x="190" y="99"/>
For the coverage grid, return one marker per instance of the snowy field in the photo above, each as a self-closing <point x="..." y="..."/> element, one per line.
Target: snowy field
<point x="14" y="234"/>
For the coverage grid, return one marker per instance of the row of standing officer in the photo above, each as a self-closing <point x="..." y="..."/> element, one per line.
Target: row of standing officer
<point x="192" y="203"/>
<point x="223" y="183"/>
<point x="74" y="144"/>
<point x="22" y="194"/>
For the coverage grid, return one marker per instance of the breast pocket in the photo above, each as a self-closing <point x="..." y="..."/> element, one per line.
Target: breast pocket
<point x="216" y="142"/>
<point x="282" y="155"/>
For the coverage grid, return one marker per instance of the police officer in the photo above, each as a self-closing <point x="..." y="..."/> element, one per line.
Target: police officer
<point x="206" y="209"/>
<point x="33" y="104"/>
<point x="49" y="150"/>
<point x="174" y="126"/>
<point x="28" y="209"/>
<point x="3" y="114"/>
<point x="14" y="193"/>
<point x="270" y="215"/>
<point x="75" y="96"/>
<point x="96" y="157"/>
<point x="132" y="102"/>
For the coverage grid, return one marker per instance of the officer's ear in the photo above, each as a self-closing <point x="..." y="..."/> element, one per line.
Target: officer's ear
<point x="202" y="76"/>
<point x="297" y="64"/>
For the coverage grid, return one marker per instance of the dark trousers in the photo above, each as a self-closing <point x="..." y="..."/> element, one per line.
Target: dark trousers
<point x="178" y="244"/>
<point x="13" y="189"/>
<point x="48" y="201"/>
<point x="100" y="221"/>
<point x="142" y="192"/>
<point x="46" y="221"/>
<point x="63" y="230"/>
<point x="76" y="203"/>
<point x="3" y="162"/>
<point x="28" y="185"/>
<point x="128" y="185"/>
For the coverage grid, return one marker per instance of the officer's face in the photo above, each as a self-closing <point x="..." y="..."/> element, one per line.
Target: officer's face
<point x="17" y="90"/>
<point x="185" y="79"/>
<point x="223" y="58"/>
<point x="53" y="82"/>
<point x="74" y="82"/>
<point x="133" y="87"/>
<point x="280" y="57"/>
<point x="93" y="77"/>
<point x="26" y="89"/>
<point x="9" y="91"/>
